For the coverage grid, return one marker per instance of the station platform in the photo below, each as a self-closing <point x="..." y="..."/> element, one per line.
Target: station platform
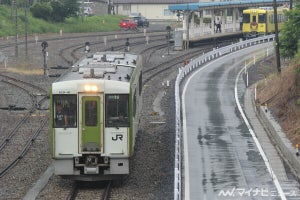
<point x="199" y="19"/>
<point x="200" y="37"/>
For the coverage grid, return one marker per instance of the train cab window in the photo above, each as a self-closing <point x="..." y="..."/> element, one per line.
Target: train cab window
<point x="246" y="18"/>
<point x="117" y="110"/>
<point x="262" y="18"/>
<point x="64" y="111"/>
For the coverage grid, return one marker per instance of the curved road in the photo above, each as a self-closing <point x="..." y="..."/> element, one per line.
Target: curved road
<point x="221" y="158"/>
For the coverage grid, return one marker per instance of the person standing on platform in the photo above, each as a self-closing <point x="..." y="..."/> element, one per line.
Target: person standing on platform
<point x="218" y="25"/>
<point x="241" y="22"/>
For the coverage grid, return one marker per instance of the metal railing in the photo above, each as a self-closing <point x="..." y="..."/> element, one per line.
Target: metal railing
<point x="183" y="72"/>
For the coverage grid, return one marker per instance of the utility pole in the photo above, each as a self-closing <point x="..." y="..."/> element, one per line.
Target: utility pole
<point x="188" y="28"/>
<point x="26" y="29"/>
<point x="15" y="8"/>
<point x="276" y="38"/>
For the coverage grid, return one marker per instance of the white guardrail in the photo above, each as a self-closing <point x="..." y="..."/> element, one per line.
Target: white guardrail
<point x="184" y="71"/>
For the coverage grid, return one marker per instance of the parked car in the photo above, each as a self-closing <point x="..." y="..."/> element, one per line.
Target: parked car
<point x="141" y="21"/>
<point x="127" y="23"/>
<point x="88" y="11"/>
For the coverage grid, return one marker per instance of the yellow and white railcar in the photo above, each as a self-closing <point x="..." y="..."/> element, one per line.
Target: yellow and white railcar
<point x="94" y="116"/>
<point x="260" y="21"/>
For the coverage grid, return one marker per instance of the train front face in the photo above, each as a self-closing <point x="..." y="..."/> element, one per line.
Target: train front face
<point x="254" y="23"/>
<point x="90" y="129"/>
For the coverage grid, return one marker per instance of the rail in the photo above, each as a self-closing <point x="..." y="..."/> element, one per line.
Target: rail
<point x="183" y="72"/>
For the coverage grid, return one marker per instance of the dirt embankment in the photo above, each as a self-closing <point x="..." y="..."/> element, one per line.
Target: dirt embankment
<point x="281" y="94"/>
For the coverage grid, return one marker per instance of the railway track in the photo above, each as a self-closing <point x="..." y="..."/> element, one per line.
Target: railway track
<point x="173" y="63"/>
<point x="95" y="190"/>
<point x="56" y="37"/>
<point x="73" y="53"/>
<point x="18" y="154"/>
<point x="37" y="94"/>
<point x="23" y="133"/>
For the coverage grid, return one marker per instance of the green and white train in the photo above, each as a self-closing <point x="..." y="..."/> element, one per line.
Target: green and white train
<point x="94" y="116"/>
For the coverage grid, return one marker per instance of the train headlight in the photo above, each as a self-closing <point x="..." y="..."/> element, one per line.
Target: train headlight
<point x="87" y="88"/>
<point x="94" y="88"/>
<point x="90" y="88"/>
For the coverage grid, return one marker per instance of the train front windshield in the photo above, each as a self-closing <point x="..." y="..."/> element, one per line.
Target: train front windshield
<point x="64" y="111"/>
<point x="246" y="18"/>
<point x="117" y="110"/>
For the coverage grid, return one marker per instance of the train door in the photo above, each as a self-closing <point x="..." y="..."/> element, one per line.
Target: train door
<point x="91" y="124"/>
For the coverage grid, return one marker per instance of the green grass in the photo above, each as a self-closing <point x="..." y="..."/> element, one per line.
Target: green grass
<point x="97" y="23"/>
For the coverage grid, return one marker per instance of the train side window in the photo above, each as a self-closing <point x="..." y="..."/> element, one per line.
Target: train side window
<point x="64" y="111"/>
<point x="262" y="18"/>
<point x="272" y="19"/>
<point x="117" y="110"/>
<point x="246" y="18"/>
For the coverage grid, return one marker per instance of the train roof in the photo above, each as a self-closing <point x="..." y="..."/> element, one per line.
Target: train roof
<point x="103" y="65"/>
<point x="263" y="9"/>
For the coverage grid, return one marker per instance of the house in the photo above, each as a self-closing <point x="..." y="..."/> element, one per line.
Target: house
<point x="151" y="9"/>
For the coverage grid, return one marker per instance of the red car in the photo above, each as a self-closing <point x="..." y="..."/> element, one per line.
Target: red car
<point x="127" y="23"/>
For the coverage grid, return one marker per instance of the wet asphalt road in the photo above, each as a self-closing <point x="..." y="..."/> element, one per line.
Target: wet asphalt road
<point x="220" y="154"/>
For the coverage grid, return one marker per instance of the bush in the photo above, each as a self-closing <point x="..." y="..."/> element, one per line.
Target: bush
<point x="42" y="11"/>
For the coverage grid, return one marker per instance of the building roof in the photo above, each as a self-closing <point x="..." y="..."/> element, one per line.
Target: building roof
<point x="224" y="4"/>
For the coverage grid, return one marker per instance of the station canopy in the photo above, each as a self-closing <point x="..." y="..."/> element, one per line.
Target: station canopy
<point x="224" y="4"/>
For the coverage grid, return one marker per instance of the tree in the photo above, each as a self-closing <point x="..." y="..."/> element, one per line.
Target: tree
<point x="42" y="11"/>
<point x="56" y="11"/>
<point x="290" y="34"/>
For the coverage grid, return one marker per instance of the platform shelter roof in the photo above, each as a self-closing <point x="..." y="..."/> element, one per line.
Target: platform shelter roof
<point x="224" y="4"/>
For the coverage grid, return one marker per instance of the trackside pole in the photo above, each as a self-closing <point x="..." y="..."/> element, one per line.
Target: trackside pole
<point x="255" y="92"/>
<point x="36" y="39"/>
<point x="247" y="78"/>
<point x="105" y="41"/>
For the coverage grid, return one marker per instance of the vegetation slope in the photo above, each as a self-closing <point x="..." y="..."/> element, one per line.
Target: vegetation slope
<point x="281" y="93"/>
<point x="78" y="24"/>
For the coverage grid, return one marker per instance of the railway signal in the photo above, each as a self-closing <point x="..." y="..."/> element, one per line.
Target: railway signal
<point x="44" y="46"/>
<point x="87" y="47"/>
<point x="168" y="29"/>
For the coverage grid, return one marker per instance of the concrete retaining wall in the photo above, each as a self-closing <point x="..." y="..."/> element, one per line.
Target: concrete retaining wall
<point x="282" y="142"/>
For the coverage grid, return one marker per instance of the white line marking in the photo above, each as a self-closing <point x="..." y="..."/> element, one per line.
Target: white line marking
<point x="262" y="153"/>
